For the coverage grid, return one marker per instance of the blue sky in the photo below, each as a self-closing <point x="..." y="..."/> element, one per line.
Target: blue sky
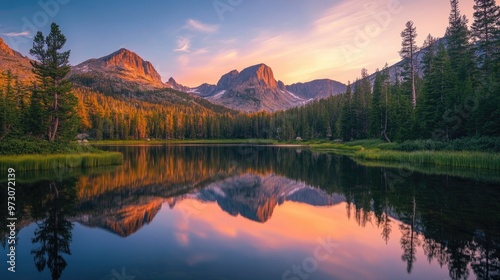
<point x="197" y="41"/>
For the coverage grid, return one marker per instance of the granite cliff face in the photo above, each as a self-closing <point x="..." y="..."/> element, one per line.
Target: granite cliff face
<point x="127" y="61"/>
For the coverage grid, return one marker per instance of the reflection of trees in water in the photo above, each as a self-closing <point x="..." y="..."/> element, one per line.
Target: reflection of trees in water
<point x="54" y="231"/>
<point x="409" y="237"/>
<point x="486" y="258"/>
<point x="456" y="222"/>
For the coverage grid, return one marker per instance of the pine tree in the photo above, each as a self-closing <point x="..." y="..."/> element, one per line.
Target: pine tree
<point x="408" y="50"/>
<point x="484" y="30"/>
<point x="376" y="112"/>
<point x="10" y="112"/>
<point x="51" y="70"/>
<point x="36" y="116"/>
<point x="458" y="43"/>
<point x="386" y="104"/>
<point x="439" y="88"/>
<point x="347" y="115"/>
<point x="429" y="49"/>
<point x="357" y="112"/>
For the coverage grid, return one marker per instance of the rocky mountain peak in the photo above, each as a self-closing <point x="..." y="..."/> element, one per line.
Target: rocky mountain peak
<point x="228" y="79"/>
<point x="261" y="74"/>
<point x="127" y="60"/>
<point x="6" y="50"/>
<point x="172" y="83"/>
<point x="123" y="69"/>
<point x="19" y="65"/>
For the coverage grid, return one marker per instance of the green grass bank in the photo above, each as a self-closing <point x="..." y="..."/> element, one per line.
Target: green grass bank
<point x="419" y="152"/>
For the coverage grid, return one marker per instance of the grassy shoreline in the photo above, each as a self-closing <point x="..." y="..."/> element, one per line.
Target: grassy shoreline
<point x="34" y="162"/>
<point x="462" y="159"/>
<point x="366" y="151"/>
<point x="37" y="155"/>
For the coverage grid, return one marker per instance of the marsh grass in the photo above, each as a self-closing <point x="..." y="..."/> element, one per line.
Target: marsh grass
<point x="485" y="175"/>
<point x="445" y="158"/>
<point x="376" y="150"/>
<point x="57" y="161"/>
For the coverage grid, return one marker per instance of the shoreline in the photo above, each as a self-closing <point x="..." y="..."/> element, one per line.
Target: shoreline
<point x="461" y="159"/>
<point x="374" y="156"/>
<point x="40" y="162"/>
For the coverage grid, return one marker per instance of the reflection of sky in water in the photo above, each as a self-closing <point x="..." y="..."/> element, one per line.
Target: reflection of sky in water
<point x="196" y="240"/>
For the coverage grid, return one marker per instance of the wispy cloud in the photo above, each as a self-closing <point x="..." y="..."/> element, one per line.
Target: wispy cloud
<point x="17" y="34"/>
<point x="183" y="45"/>
<point x="195" y="25"/>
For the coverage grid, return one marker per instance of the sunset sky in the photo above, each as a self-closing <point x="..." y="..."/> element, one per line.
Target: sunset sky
<point x="197" y="41"/>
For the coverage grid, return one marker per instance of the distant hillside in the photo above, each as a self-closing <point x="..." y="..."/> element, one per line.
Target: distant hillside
<point x="317" y="89"/>
<point x="16" y="62"/>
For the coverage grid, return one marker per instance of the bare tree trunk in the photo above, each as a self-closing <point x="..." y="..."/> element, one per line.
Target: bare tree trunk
<point x="413" y="91"/>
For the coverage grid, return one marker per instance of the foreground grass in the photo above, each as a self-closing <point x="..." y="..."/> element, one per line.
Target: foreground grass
<point x="446" y="158"/>
<point x="365" y="151"/>
<point x="403" y="169"/>
<point x="58" y="161"/>
<point x="29" y="154"/>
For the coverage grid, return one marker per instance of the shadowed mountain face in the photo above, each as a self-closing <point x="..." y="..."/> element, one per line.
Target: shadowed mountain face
<point x="396" y="71"/>
<point x="19" y="65"/>
<point x="251" y="90"/>
<point x="317" y="89"/>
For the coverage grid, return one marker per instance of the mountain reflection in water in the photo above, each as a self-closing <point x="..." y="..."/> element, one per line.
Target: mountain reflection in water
<point x="278" y="201"/>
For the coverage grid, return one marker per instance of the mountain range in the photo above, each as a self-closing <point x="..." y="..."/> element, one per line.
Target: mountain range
<point x="125" y="72"/>
<point x="253" y="89"/>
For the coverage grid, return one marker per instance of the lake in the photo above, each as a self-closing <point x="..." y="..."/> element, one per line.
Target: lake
<point x="251" y="212"/>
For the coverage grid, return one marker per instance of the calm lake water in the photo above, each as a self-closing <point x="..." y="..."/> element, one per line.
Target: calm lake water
<point x="251" y="212"/>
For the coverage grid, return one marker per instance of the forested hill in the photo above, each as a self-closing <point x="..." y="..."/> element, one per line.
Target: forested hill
<point x="144" y="108"/>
